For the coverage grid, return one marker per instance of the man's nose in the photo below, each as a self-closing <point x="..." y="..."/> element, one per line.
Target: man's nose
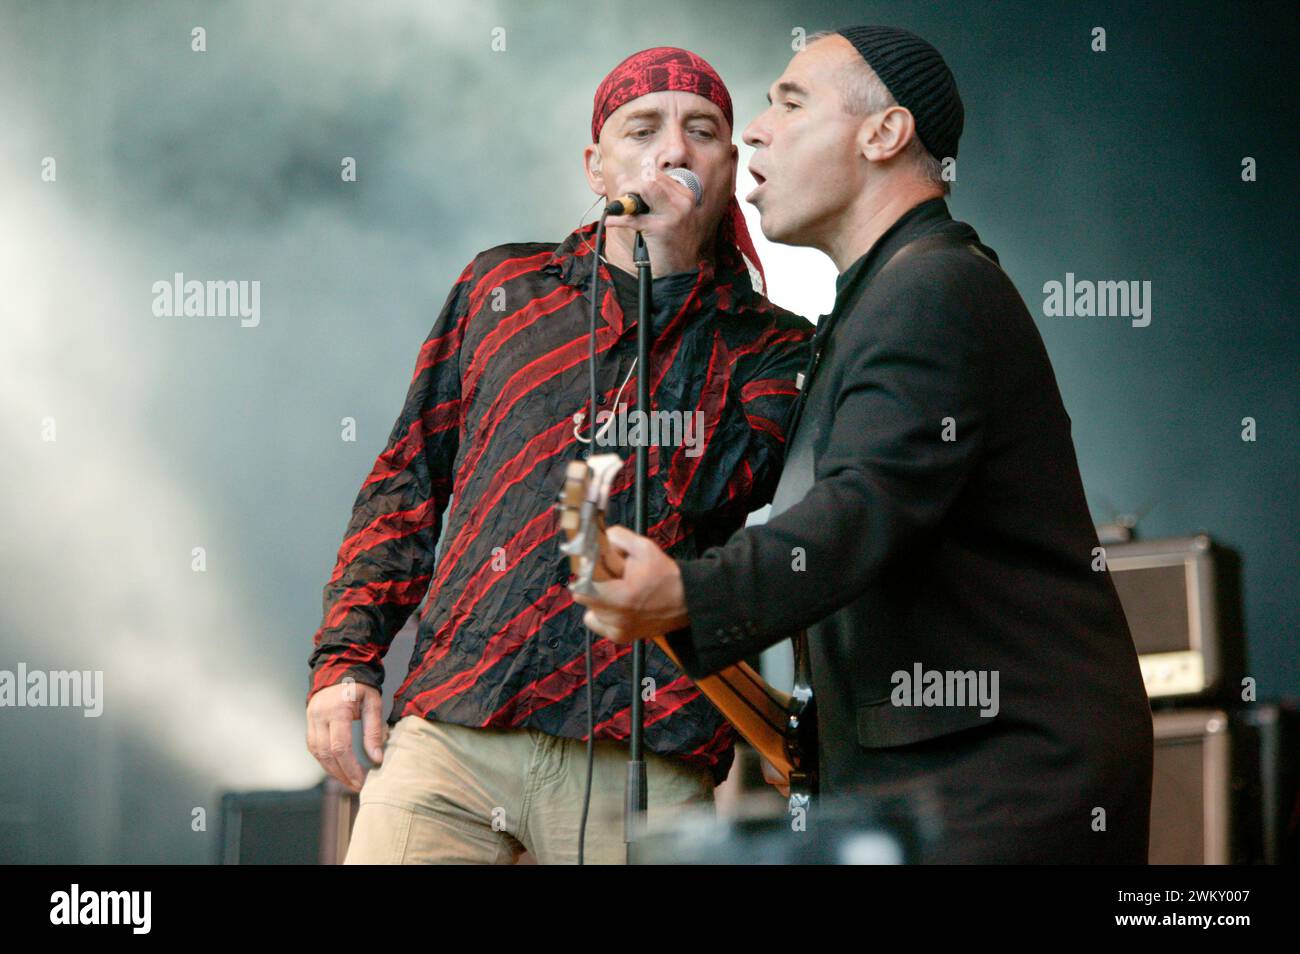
<point x="673" y="151"/>
<point x="756" y="133"/>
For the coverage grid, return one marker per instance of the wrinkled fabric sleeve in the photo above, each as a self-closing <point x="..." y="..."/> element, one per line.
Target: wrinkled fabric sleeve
<point x="385" y="563"/>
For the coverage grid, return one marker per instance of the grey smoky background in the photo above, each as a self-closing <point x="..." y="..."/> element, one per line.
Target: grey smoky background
<point x="173" y="433"/>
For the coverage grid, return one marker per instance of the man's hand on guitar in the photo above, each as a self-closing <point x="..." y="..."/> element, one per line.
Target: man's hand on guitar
<point x="646" y="601"/>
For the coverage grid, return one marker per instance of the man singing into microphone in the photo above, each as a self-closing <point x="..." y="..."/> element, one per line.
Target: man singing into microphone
<point x="930" y="527"/>
<point x="485" y="757"/>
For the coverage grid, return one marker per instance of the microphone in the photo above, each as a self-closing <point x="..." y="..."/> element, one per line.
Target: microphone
<point x="633" y="204"/>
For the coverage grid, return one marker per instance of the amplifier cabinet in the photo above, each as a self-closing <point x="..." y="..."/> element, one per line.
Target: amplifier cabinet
<point x="1182" y="598"/>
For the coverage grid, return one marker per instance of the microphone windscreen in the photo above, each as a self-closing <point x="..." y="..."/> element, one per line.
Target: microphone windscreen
<point x="690" y="180"/>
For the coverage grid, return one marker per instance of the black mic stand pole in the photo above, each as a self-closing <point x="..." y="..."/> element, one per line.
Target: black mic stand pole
<point x="636" y="799"/>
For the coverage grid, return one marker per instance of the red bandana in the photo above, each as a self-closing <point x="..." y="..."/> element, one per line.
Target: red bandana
<point x="668" y="68"/>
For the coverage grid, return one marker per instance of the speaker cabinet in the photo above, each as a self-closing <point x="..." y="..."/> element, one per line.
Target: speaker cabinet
<point x="306" y="827"/>
<point x="1206" y="806"/>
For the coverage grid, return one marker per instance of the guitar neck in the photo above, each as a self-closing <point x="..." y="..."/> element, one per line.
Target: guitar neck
<point x="758" y="711"/>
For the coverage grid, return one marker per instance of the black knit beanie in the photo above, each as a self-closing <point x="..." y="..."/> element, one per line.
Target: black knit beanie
<point x="918" y="78"/>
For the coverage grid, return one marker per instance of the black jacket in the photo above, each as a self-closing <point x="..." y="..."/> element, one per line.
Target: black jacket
<point x="931" y="515"/>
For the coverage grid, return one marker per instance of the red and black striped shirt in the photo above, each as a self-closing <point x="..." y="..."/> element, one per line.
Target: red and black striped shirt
<point x="484" y="436"/>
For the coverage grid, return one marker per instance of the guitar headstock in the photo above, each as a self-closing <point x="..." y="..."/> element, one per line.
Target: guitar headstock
<point x="582" y="518"/>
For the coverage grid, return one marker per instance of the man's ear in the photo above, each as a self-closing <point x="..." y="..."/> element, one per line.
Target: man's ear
<point x="591" y="169"/>
<point x="885" y="134"/>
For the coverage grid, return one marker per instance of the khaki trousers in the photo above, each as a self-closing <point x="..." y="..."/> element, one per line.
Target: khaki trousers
<point x="448" y="794"/>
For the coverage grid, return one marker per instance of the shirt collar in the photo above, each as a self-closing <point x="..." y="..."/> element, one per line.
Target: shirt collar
<point x="571" y="262"/>
<point x="913" y="223"/>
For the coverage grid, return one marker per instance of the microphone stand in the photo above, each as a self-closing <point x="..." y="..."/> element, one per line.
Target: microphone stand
<point x="635" y="796"/>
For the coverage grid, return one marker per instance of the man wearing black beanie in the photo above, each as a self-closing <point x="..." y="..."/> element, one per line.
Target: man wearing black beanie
<point x="930" y="529"/>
